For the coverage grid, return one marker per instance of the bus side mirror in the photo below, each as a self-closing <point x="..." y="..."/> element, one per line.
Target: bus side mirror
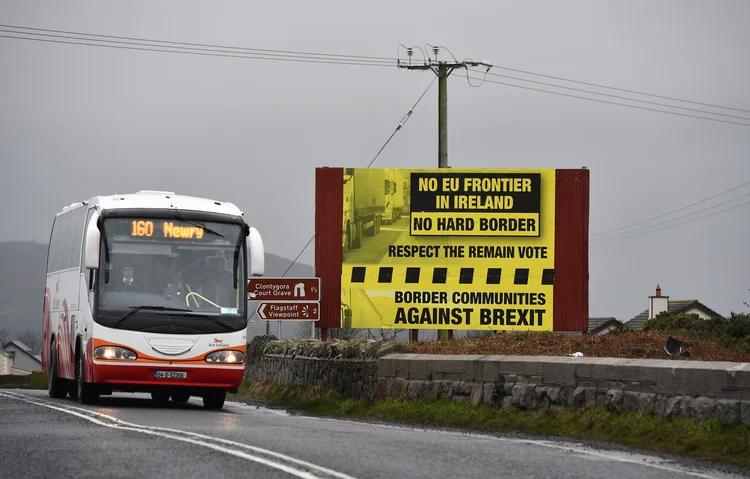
<point x="257" y="255"/>
<point x="93" y="237"/>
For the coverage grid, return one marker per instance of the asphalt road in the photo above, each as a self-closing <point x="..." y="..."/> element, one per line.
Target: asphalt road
<point x="127" y="436"/>
<point x="374" y="249"/>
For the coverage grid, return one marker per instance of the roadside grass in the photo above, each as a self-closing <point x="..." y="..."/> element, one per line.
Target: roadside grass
<point x="708" y="440"/>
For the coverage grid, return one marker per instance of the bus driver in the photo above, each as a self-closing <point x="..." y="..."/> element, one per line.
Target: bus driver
<point x="129" y="282"/>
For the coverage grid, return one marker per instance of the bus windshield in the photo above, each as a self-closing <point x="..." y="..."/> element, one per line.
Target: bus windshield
<point x="165" y="268"/>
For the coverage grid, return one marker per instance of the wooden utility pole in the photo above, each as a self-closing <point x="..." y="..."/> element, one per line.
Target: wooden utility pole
<point x="443" y="71"/>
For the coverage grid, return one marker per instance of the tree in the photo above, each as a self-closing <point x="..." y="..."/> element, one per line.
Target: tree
<point x="344" y="333"/>
<point x="3" y="336"/>
<point x="385" y="334"/>
<point x="33" y="339"/>
<point x="304" y="330"/>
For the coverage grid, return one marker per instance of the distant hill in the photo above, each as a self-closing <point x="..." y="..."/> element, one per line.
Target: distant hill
<point x="22" y="267"/>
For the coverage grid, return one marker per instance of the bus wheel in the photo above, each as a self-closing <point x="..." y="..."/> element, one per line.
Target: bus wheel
<point x="85" y="392"/>
<point x="214" y="399"/>
<point x="161" y="398"/>
<point x="56" y="387"/>
<point x="180" y="397"/>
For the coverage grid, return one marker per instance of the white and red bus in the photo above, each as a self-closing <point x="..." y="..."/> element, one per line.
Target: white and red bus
<point x="146" y="292"/>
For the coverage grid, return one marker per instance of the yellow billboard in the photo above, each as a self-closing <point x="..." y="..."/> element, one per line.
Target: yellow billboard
<point x="469" y="249"/>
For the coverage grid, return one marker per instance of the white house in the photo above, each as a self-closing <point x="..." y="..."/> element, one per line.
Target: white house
<point x="659" y="303"/>
<point x="6" y="363"/>
<point x="23" y="360"/>
<point x="600" y="326"/>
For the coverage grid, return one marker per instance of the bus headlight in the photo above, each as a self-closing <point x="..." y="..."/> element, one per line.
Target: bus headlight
<point x="226" y="357"/>
<point x="114" y="352"/>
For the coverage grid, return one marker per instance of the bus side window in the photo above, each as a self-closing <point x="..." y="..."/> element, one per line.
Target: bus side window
<point x="79" y="216"/>
<point x="57" y="249"/>
<point x="51" y="251"/>
<point x="69" y="258"/>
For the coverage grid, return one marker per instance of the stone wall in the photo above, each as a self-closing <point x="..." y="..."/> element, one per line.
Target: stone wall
<point x="348" y="367"/>
<point x="374" y="370"/>
<point x="670" y="388"/>
<point x="352" y="378"/>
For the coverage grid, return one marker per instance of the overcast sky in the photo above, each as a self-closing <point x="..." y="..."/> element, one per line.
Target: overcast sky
<point x="78" y="121"/>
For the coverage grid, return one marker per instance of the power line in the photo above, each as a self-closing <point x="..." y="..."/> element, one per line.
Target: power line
<point x="189" y="49"/>
<point x="300" y="254"/>
<point x="613" y="103"/>
<point x="675" y="211"/>
<point x="227" y="47"/>
<point x="186" y="52"/>
<point x="620" y="89"/>
<point x="677" y="218"/>
<point x="403" y="121"/>
<point x="676" y="224"/>
<point x="613" y="96"/>
<point x="192" y="48"/>
<point x="345" y="59"/>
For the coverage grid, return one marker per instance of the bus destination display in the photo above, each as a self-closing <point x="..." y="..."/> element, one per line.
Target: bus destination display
<point x="164" y="229"/>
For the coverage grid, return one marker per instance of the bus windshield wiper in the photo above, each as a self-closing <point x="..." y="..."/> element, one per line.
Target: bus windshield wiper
<point x="135" y="309"/>
<point x="199" y="224"/>
<point x="210" y="317"/>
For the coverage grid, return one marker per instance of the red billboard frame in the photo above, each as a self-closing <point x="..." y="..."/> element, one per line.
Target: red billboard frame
<point x="571" y="282"/>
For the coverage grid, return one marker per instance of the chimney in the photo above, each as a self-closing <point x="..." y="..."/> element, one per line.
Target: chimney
<point x="657" y="304"/>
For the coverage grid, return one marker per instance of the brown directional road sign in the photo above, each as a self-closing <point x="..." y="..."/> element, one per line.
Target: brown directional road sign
<point x="283" y="289"/>
<point x="288" y="311"/>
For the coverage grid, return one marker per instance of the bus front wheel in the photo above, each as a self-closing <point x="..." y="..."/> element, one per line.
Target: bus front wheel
<point x="86" y="393"/>
<point x="214" y="399"/>
<point x="161" y="398"/>
<point x="180" y="397"/>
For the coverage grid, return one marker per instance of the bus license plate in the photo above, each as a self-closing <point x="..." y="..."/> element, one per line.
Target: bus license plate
<point x="170" y="374"/>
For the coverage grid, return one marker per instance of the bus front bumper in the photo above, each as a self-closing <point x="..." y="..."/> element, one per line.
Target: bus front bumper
<point x="159" y="375"/>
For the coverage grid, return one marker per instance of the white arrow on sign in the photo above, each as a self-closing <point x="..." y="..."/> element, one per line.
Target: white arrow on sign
<point x="260" y="311"/>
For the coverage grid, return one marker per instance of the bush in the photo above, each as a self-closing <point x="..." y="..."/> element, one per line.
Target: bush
<point x="15" y="380"/>
<point x="334" y="349"/>
<point x="38" y="380"/>
<point x="256" y="345"/>
<point x="731" y="333"/>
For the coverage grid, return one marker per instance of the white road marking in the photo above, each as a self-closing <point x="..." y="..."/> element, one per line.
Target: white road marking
<point x="262" y="409"/>
<point x="180" y="435"/>
<point x="623" y="457"/>
<point x="223" y="441"/>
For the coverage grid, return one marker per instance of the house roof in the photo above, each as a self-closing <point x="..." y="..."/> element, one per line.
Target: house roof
<point x="23" y="348"/>
<point x="599" y="324"/>
<point x="676" y="306"/>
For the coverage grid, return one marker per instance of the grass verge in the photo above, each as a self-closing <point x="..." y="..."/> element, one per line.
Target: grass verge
<point x="707" y="440"/>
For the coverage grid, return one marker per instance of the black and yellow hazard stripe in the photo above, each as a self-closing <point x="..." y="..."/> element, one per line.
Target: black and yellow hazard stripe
<point x="404" y="276"/>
